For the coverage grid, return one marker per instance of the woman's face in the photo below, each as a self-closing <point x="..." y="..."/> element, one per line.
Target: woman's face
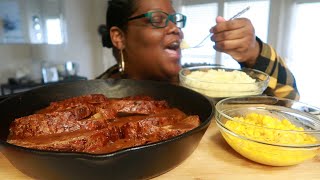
<point x="152" y="53"/>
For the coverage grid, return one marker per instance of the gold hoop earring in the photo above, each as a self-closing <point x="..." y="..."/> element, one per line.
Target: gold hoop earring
<point x="121" y="63"/>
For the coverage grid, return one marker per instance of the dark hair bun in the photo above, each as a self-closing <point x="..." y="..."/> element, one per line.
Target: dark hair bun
<point x="117" y="14"/>
<point x="106" y="40"/>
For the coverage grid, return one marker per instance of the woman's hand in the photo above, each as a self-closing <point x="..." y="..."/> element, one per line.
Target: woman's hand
<point x="236" y="38"/>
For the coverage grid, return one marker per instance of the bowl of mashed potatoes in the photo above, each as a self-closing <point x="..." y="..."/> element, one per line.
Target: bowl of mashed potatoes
<point x="220" y="82"/>
<point x="269" y="130"/>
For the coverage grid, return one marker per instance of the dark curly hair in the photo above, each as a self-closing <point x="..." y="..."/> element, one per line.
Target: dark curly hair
<point x="117" y="14"/>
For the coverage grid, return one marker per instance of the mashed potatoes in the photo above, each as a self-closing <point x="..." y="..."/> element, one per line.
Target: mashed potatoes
<point x="221" y="83"/>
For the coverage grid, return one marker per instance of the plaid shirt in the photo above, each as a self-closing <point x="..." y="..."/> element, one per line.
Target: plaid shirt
<point x="282" y="82"/>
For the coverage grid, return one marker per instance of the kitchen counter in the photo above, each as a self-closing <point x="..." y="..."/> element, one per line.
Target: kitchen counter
<point x="213" y="159"/>
<point x="20" y="87"/>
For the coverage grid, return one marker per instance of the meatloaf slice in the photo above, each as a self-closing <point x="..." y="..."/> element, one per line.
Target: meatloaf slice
<point x="54" y="122"/>
<point x="93" y="99"/>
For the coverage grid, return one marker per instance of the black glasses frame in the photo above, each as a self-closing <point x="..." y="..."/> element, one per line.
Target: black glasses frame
<point x="170" y="17"/>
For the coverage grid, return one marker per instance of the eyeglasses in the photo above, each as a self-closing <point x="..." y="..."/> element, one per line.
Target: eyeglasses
<point x="160" y="19"/>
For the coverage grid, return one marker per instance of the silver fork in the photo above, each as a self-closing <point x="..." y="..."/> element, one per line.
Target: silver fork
<point x="233" y="17"/>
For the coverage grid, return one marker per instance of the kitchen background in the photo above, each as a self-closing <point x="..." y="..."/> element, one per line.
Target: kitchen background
<point x="79" y="40"/>
<point x="41" y="34"/>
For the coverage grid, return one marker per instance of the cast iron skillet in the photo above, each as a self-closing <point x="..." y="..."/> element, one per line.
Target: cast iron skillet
<point x="141" y="162"/>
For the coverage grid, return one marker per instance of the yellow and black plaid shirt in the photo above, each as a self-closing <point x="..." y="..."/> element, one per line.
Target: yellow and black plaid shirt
<point x="282" y="82"/>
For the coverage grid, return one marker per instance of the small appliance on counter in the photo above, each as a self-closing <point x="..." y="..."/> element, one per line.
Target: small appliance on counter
<point x="59" y="72"/>
<point x="71" y="68"/>
<point x="50" y="74"/>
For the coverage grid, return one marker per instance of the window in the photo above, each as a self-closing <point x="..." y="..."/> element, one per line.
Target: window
<point x="303" y="58"/>
<point x="54" y="31"/>
<point x="259" y="17"/>
<point x="201" y="16"/>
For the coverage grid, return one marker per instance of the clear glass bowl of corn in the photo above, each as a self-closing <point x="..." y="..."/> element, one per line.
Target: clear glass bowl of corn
<point x="270" y="130"/>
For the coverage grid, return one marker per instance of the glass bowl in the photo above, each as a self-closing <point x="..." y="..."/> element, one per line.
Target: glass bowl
<point x="272" y="131"/>
<point x="218" y="82"/>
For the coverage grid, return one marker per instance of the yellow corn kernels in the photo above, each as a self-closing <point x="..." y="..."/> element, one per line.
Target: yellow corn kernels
<point x="266" y="128"/>
<point x="270" y="130"/>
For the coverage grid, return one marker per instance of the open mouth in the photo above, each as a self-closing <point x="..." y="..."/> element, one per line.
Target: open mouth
<point x="173" y="50"/>
<point x="174" y="46"/>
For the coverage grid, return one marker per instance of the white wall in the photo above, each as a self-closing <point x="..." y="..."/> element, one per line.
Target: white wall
<point x="13" y="57"/>
<point x="103" y="56"/>
<point x="83" y="43"/>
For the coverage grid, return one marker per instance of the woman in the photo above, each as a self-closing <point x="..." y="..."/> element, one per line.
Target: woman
<point x="145" y="39"/>
<point x="145" y="36"/>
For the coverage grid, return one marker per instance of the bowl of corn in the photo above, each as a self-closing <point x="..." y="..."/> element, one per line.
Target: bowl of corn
<point x="269" y="130"/>
<point x="218" y="82"/>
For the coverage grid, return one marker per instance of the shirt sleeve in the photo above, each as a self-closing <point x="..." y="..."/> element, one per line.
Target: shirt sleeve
<point x="282" y="82"/>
